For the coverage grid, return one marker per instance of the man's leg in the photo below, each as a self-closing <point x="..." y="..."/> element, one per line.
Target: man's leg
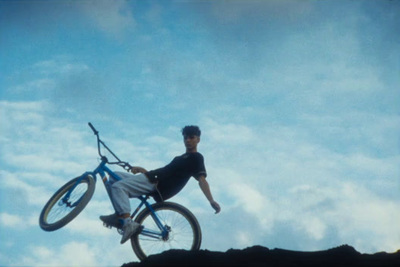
<point x="129" y="187"/>
<point x="134" y="186"/>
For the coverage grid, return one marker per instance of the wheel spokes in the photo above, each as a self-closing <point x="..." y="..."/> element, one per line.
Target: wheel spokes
<point x="180" y="234"/>
<point x="64" y="206"/>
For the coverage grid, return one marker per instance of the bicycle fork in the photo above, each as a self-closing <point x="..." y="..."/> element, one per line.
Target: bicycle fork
<point x="65" y="199"/>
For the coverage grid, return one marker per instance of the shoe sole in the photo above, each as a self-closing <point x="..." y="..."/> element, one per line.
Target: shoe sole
<point x="138" y="231"/>
<point x="110" y="224"/>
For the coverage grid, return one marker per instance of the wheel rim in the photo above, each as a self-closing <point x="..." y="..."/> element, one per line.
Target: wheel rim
<point x="59" y="210"/>
<point x="181" y="233"/>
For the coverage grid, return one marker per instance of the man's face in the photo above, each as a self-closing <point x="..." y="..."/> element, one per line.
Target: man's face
<point x="191" y="142"/>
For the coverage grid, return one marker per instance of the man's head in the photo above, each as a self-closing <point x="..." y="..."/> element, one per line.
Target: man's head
<point x="191" y="130"/>
<point x="191" y="137"/>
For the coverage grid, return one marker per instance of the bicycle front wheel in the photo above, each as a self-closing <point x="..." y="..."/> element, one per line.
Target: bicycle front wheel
<point x="61" y="208"/>
<point x="182" y="230"/>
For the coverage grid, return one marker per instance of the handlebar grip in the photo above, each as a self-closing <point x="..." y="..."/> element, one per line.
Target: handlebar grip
<point x="128" y="166"/>
<point x="93" y="129"/>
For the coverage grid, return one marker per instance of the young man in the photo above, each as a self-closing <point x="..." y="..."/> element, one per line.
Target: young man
<point x="164" y="183"/>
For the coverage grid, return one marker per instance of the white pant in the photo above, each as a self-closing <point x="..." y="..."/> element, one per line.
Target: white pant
<point x="129" y="187"/>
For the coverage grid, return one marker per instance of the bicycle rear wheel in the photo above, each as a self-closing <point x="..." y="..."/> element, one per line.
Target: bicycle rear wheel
<point x="60" y="210"/>
<point x="184" y="231"/>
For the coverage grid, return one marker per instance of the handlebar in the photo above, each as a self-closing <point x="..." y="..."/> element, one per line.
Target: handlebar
<point x="119" y="162"/>
<point x="93" y="129"/>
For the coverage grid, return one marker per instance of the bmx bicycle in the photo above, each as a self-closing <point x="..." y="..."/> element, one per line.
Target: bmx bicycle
<point x="164" y="225"/>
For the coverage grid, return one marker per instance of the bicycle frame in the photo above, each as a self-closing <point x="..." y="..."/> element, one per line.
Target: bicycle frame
<point x="102" y="170"/>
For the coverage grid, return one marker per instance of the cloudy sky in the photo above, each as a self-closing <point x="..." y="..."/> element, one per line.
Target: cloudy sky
<point x="298" y="102"/>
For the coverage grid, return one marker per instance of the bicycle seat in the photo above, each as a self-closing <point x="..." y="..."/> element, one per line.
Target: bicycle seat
<point x="155" y="195"/>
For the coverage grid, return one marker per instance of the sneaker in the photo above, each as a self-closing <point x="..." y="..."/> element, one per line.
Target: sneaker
<point x="111" y="220"/>
<point x="129" y="228"/>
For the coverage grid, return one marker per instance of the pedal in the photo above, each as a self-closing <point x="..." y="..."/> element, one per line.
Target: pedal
<point x="121" y="232"/>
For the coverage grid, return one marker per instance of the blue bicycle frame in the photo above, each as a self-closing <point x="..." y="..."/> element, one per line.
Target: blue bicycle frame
<point x="102" y="170"/>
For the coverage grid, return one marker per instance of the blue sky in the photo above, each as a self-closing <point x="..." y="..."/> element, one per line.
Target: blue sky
<point x="298" y="102"/>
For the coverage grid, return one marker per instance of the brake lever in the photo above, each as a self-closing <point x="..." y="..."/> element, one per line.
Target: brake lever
<point x="126" y="166"/>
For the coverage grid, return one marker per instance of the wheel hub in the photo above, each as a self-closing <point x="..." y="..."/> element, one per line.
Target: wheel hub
<point x="167" y="233"/>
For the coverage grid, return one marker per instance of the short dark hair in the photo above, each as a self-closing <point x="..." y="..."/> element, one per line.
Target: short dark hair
<point x="191" y="130"/>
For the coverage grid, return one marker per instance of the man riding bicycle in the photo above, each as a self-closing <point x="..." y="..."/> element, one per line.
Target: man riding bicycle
<point x="162" y="183"/>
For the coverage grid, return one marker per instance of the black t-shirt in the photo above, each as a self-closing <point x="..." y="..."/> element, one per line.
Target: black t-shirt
<point x="173" y="177"/>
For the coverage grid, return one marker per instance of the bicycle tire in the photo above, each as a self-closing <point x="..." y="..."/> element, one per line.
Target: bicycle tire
<point x="175" y="216"/>
<point x="81" y="195"/>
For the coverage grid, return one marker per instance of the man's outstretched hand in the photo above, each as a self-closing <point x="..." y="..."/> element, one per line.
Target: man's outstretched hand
<point x="215" y="206"/>
<point x="136" y="170"/>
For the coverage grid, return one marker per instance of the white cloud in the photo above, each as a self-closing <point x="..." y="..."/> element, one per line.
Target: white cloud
<point x="234" y="134"/>
<point x="19" y="113"/>
<point x="254" y="202"/>
<point x="40" y="144"/>
<point x="280" y="176"/>
<point x="87" y="223"/>
<point x="41" y="85"/>
<point x="285" y="10"/>
<point x="31" y="194"/>
<point x="244" y="239"/>
<point x="367" y="218"/>
<point x="90" y="225"/>
<point x="356" y="215"/>
<point x="70" y="254"/>
<point x="112" y="17"/>
<point x="59" y="66"/>
<point x="11" y="220"/>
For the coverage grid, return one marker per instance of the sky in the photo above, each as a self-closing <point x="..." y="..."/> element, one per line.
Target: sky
<point x="298" y="103"/>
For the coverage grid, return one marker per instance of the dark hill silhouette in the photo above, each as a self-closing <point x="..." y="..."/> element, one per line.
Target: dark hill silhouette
<point x="342" y="256"/>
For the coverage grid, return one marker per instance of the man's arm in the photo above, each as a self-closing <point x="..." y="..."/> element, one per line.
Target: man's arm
<point x="205" y="187"/>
